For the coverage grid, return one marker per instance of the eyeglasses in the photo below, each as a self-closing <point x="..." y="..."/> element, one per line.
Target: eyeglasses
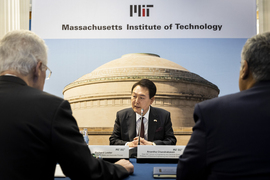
<point x="48" y="72"/>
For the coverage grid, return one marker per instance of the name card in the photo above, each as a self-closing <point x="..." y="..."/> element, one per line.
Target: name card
<point x="160" y="152"/>
<point x="115" y="152"/>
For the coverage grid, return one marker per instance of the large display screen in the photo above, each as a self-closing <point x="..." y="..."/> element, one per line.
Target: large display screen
<point x="205" y="37"/>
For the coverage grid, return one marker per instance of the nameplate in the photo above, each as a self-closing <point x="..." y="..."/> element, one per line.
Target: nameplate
<point x="114" y="152"/>
<point x="159" y="152"/>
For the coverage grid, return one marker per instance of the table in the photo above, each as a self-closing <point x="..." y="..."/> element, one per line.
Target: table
<point x="142" y="171"/>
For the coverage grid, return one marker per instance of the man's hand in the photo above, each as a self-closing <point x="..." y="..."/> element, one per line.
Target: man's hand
<point x="133" y="143"/>
<point x="143" y="141"/>
<point x="126" y="164"/>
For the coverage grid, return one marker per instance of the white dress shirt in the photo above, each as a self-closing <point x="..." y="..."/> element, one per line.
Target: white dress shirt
<point x="138" y="124"/>
<point x="145" y="122"/>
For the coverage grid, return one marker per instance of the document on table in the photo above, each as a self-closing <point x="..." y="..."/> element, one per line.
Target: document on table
<point x="164" y="172"/>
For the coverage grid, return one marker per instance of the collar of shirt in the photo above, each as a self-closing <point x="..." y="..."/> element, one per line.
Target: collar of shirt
<point x="9" y="75"/>
<point x="145" y="122"/>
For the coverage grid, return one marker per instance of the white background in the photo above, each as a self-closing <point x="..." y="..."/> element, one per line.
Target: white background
<point x="213" y="55"/>
<point x="235" y="16"/>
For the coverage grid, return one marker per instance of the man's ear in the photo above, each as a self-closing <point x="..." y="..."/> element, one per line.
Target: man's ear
<point x="37" y="70"/>
<point x="152" y="99"/>
<point x="244" y="70"/>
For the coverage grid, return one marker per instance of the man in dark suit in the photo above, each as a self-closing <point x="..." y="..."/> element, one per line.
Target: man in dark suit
<point x="156" y="125"/>
<point x="37" y="130"/>
<point x="231" y="135"/>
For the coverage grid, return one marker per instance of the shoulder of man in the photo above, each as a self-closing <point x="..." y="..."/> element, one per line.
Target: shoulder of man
<point x="126" y="111"/>
<point x="158" y="110"/>
<point x="125" y="114"/>
<point x="42" y="96"/>
<point x="224" y="100"/>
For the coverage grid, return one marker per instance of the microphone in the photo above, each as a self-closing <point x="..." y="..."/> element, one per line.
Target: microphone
<point x="133" y="151"/>
<point x="140" y="127"/>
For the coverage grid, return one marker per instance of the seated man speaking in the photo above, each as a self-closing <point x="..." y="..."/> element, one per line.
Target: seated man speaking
<point x="156" y="128"/>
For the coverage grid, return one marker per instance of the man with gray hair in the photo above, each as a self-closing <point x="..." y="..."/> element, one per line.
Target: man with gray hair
<point x="37" y="129"/>
<point x="231" y="135"/>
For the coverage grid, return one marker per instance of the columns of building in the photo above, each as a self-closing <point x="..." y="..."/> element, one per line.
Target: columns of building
<point x="264" y="15"/>
<point x="14" y="14"/>
<point x="24" y="14"/>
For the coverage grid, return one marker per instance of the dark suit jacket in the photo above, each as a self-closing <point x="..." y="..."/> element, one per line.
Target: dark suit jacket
<point x="231" y="138"/>
<point x="37" y="130"/>
<point x="159" y="131"/>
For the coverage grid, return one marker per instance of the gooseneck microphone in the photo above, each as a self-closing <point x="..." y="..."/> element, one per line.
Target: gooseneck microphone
<point x="140" y="127"/>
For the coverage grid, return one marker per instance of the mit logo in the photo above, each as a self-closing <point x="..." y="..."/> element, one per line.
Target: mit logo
<point x="141" y="10"/>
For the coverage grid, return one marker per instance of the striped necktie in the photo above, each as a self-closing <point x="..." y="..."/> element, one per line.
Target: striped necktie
<point x="142" y="128"/>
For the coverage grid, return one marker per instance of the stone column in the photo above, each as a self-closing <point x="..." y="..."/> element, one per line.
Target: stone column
<point x="24" y="14"/>
<point x="14" y="15"/>
<point x="264" y="15"/>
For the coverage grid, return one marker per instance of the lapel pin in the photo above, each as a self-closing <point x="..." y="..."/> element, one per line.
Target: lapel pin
<point x="155" y="120"/>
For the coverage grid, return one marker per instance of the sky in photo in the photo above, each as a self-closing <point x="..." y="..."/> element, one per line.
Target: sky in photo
<point x="217" y="60"/>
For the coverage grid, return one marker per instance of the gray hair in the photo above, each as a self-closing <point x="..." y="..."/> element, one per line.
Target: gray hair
<point x="21" y="50"/>
<point x="256" y="52"/>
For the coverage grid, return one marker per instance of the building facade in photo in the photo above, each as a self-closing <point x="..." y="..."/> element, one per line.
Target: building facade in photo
<point x="96" y="97"/>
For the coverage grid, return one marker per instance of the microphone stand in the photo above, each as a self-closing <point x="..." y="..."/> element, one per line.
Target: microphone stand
<point x="140" y="127"/>
<point x="133" y="151"/>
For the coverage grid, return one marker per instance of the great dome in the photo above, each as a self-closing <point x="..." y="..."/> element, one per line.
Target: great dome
<point x="129" y="62"/>
<point x="136" y="65"/>
<point x="96" y="97"/>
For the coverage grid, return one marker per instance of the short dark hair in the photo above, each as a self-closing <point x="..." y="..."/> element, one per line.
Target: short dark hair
<point x="147" y="84"/>
<point x="256" y="52"/>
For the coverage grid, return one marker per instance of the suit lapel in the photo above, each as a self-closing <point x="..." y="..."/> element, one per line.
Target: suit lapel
<point x="131" y="122"/>
<point x="152" y="124"/>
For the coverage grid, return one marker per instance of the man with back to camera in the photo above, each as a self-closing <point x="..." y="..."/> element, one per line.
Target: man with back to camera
<point x="157" y="126"/>
<point x="231" y="136"/>
<point x="37" y="130"/>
